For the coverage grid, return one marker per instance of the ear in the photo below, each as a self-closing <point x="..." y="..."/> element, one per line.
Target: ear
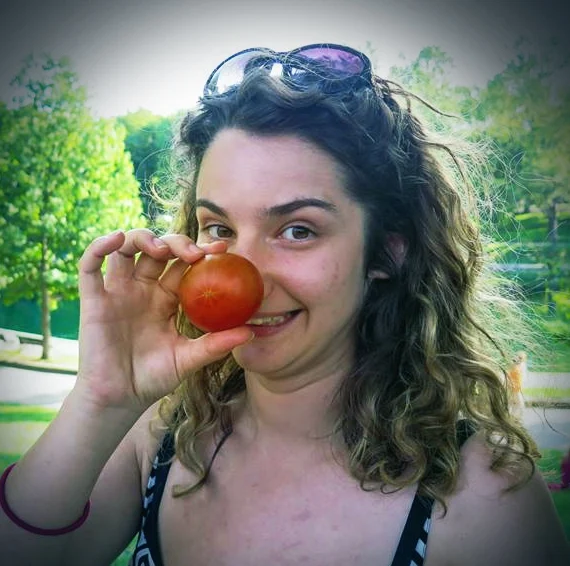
<point x="397" y="248"/>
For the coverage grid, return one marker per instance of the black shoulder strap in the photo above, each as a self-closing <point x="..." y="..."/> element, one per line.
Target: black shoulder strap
<point x="166" y="449"/>
<point x="147" y="550"/>
<point x="413" y="541"/>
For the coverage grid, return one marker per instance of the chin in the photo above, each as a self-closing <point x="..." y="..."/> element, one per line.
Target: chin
<point x="260" y="360"/>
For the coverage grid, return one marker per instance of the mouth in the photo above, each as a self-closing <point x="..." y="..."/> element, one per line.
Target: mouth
<point x="270" y="324"/>
<point x="272" y="320"/>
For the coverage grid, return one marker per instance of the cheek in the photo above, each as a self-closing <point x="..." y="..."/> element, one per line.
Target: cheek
<point x="346" y="287"/>
<point x="332" y="282"/>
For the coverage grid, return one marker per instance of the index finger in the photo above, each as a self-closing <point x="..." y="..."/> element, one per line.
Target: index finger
<point x="90" y="276"/>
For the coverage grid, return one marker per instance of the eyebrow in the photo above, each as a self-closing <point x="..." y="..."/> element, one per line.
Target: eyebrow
<point x="277" y="210"/>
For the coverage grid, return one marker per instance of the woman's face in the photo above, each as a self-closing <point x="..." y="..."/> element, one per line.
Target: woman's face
<point x="279" y="201"/>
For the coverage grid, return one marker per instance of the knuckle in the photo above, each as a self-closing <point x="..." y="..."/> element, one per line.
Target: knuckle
<point x="180" y="245"/>
<point x="177" y="238"/>
<point x="140" y="235"/>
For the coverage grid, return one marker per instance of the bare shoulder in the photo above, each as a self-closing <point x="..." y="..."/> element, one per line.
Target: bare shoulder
<point x="488" y="523"/>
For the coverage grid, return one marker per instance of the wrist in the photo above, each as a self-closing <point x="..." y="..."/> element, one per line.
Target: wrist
<point x="98" y="425"/>
<point x="103" y="402"/>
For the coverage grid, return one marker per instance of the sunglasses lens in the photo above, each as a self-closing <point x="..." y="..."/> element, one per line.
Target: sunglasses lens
<point x="336" y="59"/>
<point x="230" y="73"/>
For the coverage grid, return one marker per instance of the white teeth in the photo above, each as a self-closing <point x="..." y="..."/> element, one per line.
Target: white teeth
<point x="269" y="320"/>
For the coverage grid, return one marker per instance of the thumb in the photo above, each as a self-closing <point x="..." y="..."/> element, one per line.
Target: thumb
<point x="196" y="353"/>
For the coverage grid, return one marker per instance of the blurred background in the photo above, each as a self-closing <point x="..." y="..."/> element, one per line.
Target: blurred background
<point x="91" y="93"/>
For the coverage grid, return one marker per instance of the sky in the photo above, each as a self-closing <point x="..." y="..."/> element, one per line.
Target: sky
<point x="133" y="54"/>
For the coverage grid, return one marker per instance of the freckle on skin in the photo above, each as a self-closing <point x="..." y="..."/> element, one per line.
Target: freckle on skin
<point x="302" y="516"/>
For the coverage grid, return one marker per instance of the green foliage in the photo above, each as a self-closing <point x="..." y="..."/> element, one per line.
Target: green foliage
<point x="522" y="120"/>
<point x="539" y="266"/>
<point x="427" y="76"/>
<point x="66" y="179"/>
<point x="148" y="142"/>
<point x="522" y="115"/>
<point x="559" y="330"/>
<point x="534" y="227"/>
<point x="526" y="111"/>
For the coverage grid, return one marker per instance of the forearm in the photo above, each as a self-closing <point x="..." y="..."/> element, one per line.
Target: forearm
<point x="50" y="485"/>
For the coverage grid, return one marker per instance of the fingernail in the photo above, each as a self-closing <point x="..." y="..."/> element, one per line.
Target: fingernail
<point x="108" y="236"/>
<point x="210" y="245"/>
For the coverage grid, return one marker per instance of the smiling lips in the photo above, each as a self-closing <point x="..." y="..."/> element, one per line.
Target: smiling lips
<point x="272" y="320"/>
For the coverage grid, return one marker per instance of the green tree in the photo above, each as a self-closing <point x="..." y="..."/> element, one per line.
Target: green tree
<point x="428" y="76"/>
<point x="65" y="179"/>
<point x="523" y="115"/>
<point x="526" y="110"/>
<point x="148" y="142"/>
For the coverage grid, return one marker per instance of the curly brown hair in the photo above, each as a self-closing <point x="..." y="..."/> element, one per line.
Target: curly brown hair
<point x="431" y="349"/>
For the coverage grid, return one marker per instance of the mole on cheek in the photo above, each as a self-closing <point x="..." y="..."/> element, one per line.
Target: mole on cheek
<point x="335" y="274"/>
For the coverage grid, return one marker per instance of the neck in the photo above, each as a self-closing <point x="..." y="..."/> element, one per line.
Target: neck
<point x="289" y="413"/>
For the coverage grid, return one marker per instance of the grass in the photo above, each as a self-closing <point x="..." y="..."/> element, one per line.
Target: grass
<point x="14" y="412"/>
<point x="124" y="558"/>
<point x="539" y="393"/>
<point x="7" y="459"/>
<point x="549" y="465"/>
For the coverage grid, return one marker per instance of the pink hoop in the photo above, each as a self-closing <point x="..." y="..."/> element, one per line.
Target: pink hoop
<point x="30" y="528"/>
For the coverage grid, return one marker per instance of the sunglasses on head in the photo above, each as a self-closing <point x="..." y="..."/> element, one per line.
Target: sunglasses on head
<point x="330" y="66"/>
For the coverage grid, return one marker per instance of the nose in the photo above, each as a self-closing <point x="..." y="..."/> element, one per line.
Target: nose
<point x="256" y="252"/>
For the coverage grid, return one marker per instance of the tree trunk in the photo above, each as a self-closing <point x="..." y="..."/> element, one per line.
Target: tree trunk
<point x="553" y="222"/>
<point x="45" y="304"/>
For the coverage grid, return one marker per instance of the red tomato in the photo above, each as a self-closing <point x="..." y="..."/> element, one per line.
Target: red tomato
<point x="220" y="291"/>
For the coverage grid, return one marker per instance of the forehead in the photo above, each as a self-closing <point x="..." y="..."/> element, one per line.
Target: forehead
<point x="268" y="169"/>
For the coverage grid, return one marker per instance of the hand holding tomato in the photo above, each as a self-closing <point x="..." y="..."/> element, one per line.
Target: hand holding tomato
<point x="220" y="291"/>
<point x="131" y="353"/>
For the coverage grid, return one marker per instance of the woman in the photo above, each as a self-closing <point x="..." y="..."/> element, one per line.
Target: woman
<point x="359" y="417"/>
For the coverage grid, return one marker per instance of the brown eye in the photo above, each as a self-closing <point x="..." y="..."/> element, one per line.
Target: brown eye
<point x="218" y="231"/>
<point x="298" y="233"/>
